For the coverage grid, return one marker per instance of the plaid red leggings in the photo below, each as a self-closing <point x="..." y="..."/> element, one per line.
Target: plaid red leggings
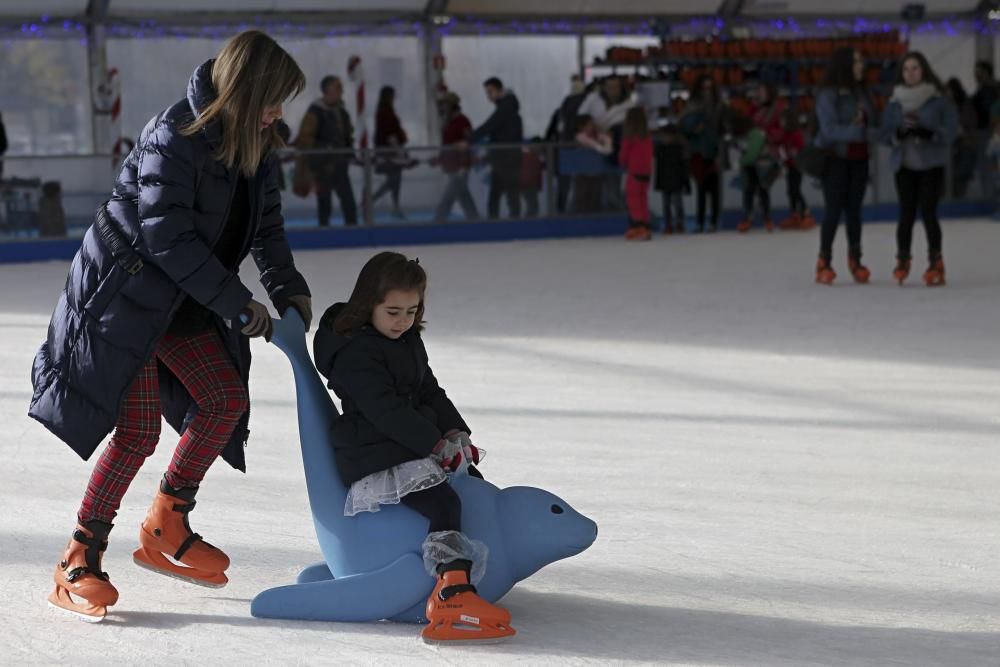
<point x="205" y="368"/>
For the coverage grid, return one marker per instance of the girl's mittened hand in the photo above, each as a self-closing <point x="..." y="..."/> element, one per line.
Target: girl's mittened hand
<point x="472" y="453"/>
<point x="447" y="454"/>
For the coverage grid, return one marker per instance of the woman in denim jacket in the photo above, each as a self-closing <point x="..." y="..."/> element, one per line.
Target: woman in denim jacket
<point x="847" y="120"/>
<point x="920" y="124"/>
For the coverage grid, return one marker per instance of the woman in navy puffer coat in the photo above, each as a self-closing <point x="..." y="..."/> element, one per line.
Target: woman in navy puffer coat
<point x="154" y="316"/>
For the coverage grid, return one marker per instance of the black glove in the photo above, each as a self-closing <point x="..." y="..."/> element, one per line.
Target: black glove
<point x="256" y="321"/>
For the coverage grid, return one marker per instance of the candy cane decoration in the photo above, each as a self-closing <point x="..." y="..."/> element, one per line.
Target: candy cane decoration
<point x="356" y="73"/>
<point x="110" y="92"/>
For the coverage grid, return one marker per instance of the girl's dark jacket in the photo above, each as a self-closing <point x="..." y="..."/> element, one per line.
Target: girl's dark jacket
<point x="393" y="409"/>
<point x="170" y="204"/>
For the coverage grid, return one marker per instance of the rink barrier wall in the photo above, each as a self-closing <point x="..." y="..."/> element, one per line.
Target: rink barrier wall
<point x="477" y="232"/>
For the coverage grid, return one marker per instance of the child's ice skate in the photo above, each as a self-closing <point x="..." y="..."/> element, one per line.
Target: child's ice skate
<point x="166" y="532"/>
<point x="79" y="574"/>
<point x="456" y="613"/>
<point x="744" y="226"/>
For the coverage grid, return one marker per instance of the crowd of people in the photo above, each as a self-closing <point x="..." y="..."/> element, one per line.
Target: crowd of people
<point x="612" y="148"/>
<point x="927" y="124"/>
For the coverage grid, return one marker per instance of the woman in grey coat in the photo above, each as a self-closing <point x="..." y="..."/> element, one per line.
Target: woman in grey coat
<point x="920" y="124"/>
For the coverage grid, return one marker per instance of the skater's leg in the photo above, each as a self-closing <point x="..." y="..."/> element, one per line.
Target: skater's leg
<point x="203" y="366"/>
<point x="715" y="194"/>
<point x="345" y="193"/>
<point x="857" y="176"/>
<point x="678" y="202"/>
<point x="447" y="198"/>
<point x="495" y="193"/>
<point x="834" y="197"/>
<point x="454" y="609"/>
<point x="136" y="435"/>
<point x="440" y="505"/>
<point x="702" y="195"/>
<point x="931" y="187"/>
<point x="465" y="199"/>
<point x="907" y="183"/>
<point x="395" y="179"/>
<point x="750" y="187"/>
<point x="668" y="222"/>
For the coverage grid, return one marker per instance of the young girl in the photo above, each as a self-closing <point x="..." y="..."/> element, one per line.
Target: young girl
<point x="702" y="125"/>
<point x="920" y="124"/>
<point x="636" y="157"/>
<point x="845" y="112"/>
<point x="753" y="148"/>
<point x="672" y="177"/>
<point x="792" y="144"/>
<point x="399" y="433"/>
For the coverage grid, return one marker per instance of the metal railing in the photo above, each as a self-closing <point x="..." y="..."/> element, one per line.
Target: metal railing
<point x="388" y="186"/>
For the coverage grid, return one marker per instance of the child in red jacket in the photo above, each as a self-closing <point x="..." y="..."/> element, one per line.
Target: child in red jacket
<point x="636" y="157"/>
<point x="792" y="144"/>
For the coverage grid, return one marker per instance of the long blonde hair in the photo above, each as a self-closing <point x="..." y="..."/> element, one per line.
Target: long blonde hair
<point x="250" y="74"/>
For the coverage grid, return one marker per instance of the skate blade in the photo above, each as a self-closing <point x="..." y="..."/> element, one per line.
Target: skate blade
<point x="458" y="634"/>
<point x="84" y="612"/>
<point x="167" y="570"/>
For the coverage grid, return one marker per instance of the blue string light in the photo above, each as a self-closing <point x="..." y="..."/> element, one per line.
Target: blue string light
<point x="44" y="28"/>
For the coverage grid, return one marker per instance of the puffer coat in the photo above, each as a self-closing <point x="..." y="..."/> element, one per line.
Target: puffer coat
<point x="170" y="204"/>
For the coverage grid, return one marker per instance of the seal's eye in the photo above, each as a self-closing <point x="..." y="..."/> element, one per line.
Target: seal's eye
<point x="557" y="509"/>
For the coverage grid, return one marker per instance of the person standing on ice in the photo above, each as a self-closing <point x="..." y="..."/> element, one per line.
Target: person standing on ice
<point x="155" y="318"/>
<point x="920" y="124"/>
<point x="846" y="122"/>
<point x="400" y="434"/>
<point x="636" y="158"/>
<point x="502" y="127"/>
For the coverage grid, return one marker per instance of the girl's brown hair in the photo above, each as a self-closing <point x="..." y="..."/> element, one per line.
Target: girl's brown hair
<point x="250" y="74"/>
<point x="382" y="273"/>
<point x="635" y="123"/>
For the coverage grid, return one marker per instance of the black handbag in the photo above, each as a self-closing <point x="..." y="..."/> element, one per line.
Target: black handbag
<point x="812" y="160"/>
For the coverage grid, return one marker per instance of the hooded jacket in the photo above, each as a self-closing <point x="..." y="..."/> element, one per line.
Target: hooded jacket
<point x="393" y="409"/>
<point x="170" y="204"/>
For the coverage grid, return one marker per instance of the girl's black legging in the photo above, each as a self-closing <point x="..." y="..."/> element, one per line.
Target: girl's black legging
<point x="708" y="188"/>
<point x="919" y="189"/>
<point x="796" y="202"/>
<point x="440" y="504"/>
<point x="751" y="187"/>
<point x="844" y="183"/>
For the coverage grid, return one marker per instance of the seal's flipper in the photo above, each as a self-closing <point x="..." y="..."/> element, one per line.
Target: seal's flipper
<point x="357" y="598"/>
<point x="315" y="572"/>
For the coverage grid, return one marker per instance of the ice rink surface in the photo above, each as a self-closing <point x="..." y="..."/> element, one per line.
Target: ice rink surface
<point x="782" y="473"/>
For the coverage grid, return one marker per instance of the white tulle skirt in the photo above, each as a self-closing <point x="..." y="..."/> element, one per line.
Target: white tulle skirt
<point x="386" y="487"/>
